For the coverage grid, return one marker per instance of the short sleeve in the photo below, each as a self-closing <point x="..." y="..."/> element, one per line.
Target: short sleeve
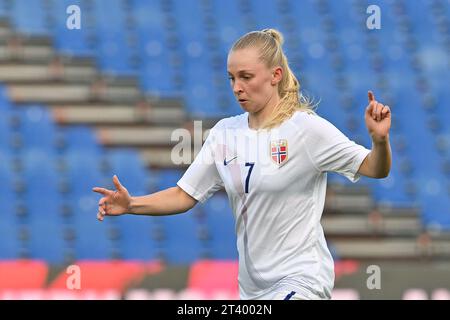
<point x="330" y="150"/>
<point x="201" y="180"/>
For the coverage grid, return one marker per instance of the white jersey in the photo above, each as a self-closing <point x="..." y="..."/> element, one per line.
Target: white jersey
<point x="276" y="184"/>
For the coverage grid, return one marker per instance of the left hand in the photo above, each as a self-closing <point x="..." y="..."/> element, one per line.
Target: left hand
<point x="378" y="119"/>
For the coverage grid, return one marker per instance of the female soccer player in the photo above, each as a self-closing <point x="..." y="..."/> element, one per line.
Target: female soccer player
<point x="272" y="161"/>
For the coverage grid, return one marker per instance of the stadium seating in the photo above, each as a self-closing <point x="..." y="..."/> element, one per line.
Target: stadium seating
<point x="79" y="42"/>
<point x="139" y="238"/>
<point x="220" y="223"/>
<point x="10" y="246"/>
<point x="181" y="241"/>
<point x="22" y="10"/>
<point x="176" y="50"/>
<point x="128" y="167"/>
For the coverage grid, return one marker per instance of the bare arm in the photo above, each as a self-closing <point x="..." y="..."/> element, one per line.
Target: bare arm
<point x="378" y="162"/>
<point x="170" y="201"/>
<point x="378" y="121"/>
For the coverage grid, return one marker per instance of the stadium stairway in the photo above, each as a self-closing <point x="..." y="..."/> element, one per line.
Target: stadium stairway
<point x="76" y="92"/>
<point x="358" y="228"/>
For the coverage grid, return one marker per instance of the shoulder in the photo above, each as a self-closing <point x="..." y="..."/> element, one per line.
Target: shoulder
<point x="220" y="129"/>
<point x="309" y="121"/>
<point x="312" y="126"/>
<point x="233" y="122"/>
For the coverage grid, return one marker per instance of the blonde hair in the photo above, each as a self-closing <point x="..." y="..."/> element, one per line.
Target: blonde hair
<point x="269" y="42"/>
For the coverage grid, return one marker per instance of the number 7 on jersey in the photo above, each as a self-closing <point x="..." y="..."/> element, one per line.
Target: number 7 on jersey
<point x="247" y="180"/>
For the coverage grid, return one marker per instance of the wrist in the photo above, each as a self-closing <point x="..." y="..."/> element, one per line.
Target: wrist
<point x="132" y="206"/>
<point x="380" y="140"/>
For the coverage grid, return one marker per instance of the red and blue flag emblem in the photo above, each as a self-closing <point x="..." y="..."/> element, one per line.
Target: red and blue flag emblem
<point x="279" y="151"/>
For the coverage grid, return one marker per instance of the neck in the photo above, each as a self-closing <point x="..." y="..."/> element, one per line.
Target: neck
<point x="256" y="120"/>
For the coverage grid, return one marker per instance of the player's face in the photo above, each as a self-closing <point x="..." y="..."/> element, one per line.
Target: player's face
<point x="250" y="79"/>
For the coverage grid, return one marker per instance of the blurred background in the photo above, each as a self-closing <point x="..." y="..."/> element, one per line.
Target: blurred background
<point x="80" y="105"/>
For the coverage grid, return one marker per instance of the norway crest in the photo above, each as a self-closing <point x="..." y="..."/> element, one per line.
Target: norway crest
<point x="279" y="151"/>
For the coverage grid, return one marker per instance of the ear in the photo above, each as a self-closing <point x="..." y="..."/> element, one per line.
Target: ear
<point x="277" y="75"/>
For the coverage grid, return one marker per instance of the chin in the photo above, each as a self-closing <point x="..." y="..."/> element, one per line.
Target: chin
<point x="247" y="108"/>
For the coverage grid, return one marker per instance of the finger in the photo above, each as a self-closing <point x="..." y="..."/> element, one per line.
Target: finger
<point x="102" y="208"/>
<point x="379" y="109"/>
<point x="371" y="96"/>
<point x="386" y="110"/>
<point x="101" y="190"/>
<point x="102" y="202"/>
<point x="369" y="110"/>
<point x="117" y="183"/>
<point x="374" y="110"/>
<point x="100" y="217"/>
<point x="386" y="113"/>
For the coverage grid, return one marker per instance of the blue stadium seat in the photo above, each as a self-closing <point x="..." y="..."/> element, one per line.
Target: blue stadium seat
<point x="308" y="16"/>
<point x="391" y="191"/>
<point x="4" y="12"/>
<point x="412" y="117"/>
<point x="267" y="15"/>
<point x="435" y="202"/>
<point x="47" y="241"/>
<point x="93" y="239"/>
<point x="84" y="172"/>
<point x="156" y="71"/>
<point x="113" y="51"/>
<point x="221" y="227"/>
<point x="129" y="167"/>
<point x="230" y="22"/>
<point x="346" y="15"/>
<point x="201" y="95"/>
<point x="166" y="178"/>
<point x="6" y="133"/>
<point x="42" y="196"/>
<point x="81" y="138"/>
<point x="442" y="98"/>
<point x="38" y="129"/>
<point x="5" y="102"/>
<point x="181" y="243"/>
<point x="191" y="24"/>
<point x="137" y="239"/>
<point x="10" y="244"/>
<point x="72" y="41"/>
<point x="426" y="33"/>
<point x="21" y="13"/>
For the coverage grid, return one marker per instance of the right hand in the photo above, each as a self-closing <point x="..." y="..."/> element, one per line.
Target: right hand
<point x="113" y="203"/>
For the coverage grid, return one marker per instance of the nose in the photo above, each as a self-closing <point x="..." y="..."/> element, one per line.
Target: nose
<point x="237" y="88"/>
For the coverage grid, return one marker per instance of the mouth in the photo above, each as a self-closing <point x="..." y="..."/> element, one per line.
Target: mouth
<point x="242" y="101"/>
